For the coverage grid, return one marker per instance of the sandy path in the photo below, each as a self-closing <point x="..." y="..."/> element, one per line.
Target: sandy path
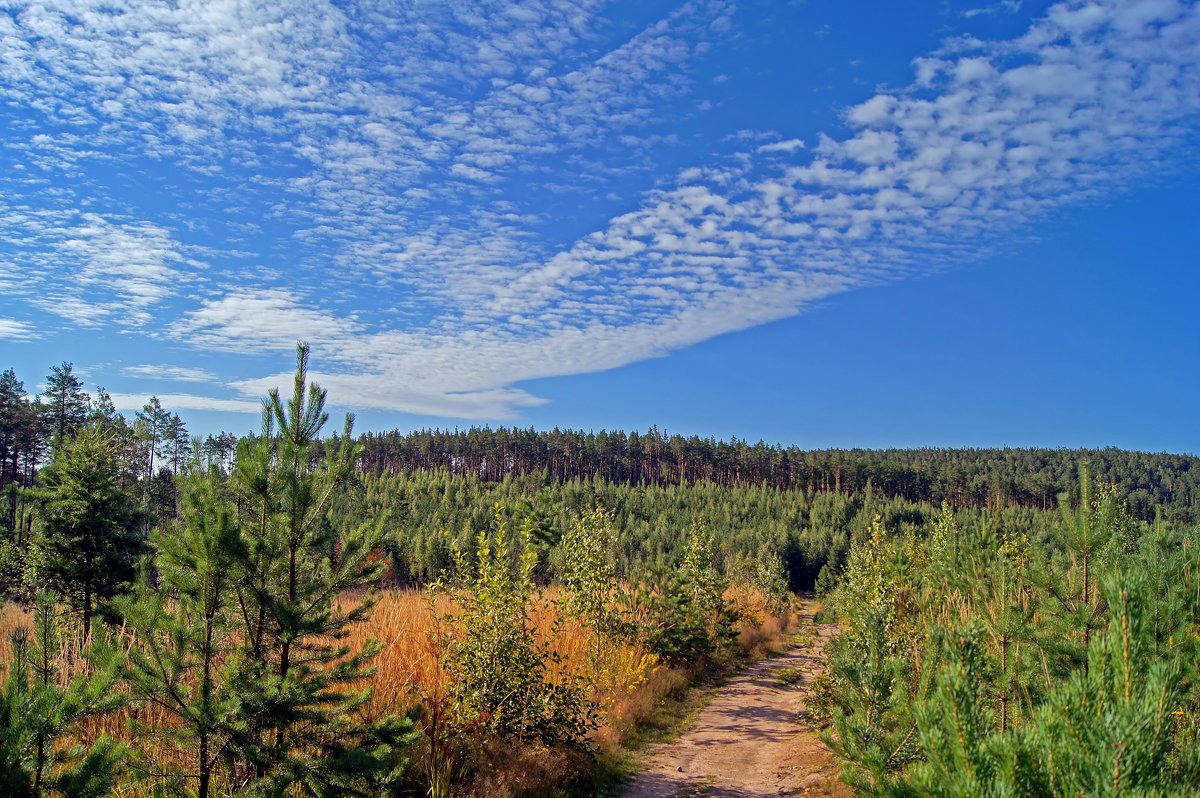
<point x="748" y="742"/>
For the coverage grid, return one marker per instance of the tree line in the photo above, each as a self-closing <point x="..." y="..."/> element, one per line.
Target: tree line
<point x="151" y="451"/>
<point x="989" y="478"/>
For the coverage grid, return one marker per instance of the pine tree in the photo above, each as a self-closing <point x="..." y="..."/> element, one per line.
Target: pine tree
<point x="66" y="403"/>
<point x="876" y="674"/>
<point x="90" y="538"/>
<point x="184" y="628"/>
<point x="12" y="403"/>
<point x="1071" y="586"/>
<point x="37" y="714"/>
<point x="151" y="425"/>
<point x="1111" y="730"/>
<point x="297" y="711"/>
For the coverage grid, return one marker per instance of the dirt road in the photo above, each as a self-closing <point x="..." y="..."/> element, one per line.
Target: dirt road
<point x="748" y="742"/>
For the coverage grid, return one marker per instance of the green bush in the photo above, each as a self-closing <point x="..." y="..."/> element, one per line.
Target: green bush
<point x="499" y="669"/>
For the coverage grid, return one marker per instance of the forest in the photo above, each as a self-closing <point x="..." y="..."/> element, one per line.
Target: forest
<point x="311" y="612"/>
<point x="992" y="478"/>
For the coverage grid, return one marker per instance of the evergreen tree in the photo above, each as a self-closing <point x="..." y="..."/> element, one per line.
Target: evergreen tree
<point x="12" y="402"/>
<point x="89" y="538"/>
<point x="65" y="401"/>
<point x="1071" y="584"/>
<point x="297" y="722"/>
<point x="875" y="677"/>
<point x="151" y="424"/>
<point x="1109" y="731"/>
<point x="184" y="629"/>
<point x="18" y="427"/>
<point x="37" y="713"/>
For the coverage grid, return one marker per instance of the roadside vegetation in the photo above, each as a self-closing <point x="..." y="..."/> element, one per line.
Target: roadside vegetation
<point x="979" y="660"/>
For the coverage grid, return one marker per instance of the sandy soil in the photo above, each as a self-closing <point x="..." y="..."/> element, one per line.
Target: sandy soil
<point x="748" y="741"/>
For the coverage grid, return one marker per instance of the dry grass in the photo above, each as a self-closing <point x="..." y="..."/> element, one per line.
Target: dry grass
<point x="629" y="684"/>
<point x="12" y="617"/>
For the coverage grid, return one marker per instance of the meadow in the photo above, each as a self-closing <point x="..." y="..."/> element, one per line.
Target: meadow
<point x="636" y="693"/>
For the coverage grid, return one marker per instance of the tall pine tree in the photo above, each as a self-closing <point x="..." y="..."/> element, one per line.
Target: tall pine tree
<point x="65" y="401"/>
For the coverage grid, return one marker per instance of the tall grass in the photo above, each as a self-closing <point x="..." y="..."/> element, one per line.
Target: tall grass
<point x="629" y="685"/>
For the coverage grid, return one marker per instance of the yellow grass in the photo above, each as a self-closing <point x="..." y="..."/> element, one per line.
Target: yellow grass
<point x="628" y="683"/>
<point x="12" y="617"/>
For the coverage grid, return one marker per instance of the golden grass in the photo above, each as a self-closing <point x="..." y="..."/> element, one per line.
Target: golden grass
<point x="629" y="684"/>
<point x="12" y="617"/>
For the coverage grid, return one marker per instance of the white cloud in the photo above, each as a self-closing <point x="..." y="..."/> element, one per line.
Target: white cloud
<point x="92" y="269"/>
<point x="790" y="146"/>
<point x="172" y="373"/>
<point x="14" y="330"/>
<point x="175" y="402"/>
<point x="408" y="136"/>
<point x="252" y="321"/>
<point x="1004" y="6"/>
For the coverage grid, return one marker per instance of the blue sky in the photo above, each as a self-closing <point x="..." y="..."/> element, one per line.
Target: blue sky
<point x="820" y="223"/>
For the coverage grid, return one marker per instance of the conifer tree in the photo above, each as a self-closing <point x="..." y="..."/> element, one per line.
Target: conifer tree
<point x="1108" y="731"/>
<point x="1072" y="585"/>
<point x="90" y="539"/>
<point x="295" y="683"/>
<point x="12" y="407"/>
<point x="65" y="402"/>
<point x="37" y="714"/>
<point x="184" y="628"/>
<point x="876" y="676"/>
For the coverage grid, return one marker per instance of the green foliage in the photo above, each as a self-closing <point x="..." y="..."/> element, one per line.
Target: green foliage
<point x="36" y="714"/>
<point x="498" y="666"/>
<point x="65" y="402"/>
<point x="873" y="667"/>
<point x="681" y="613"/>
<point x="1108" y="732"/>
<point x="297" y="688"/>
<point x="186" y="629"/>
<point x="20" y="565"/>
<point x="666" y="620"/>
<point x="995" y="660"/>
<point x="239" y="635"/>
<point x="90" y="538"/>
<point x="766" y="574"/>
<point x="991" y="479"/>
<point x="587" y="570"/>
<point x="956" y="724"/>
<point x="593" y="594"/>
<point x="704" y="580"/>
<point x="789" y="676"/>
<point x="21" y="440"/>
